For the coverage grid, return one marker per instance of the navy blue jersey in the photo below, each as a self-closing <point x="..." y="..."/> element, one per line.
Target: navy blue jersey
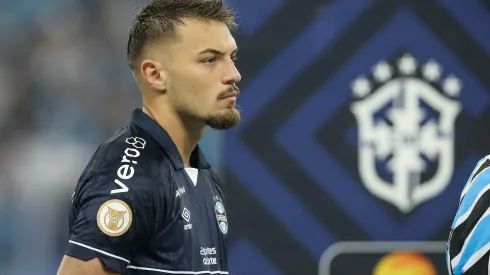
<point x="468" y="249"/>
<point x="141" y="212"/>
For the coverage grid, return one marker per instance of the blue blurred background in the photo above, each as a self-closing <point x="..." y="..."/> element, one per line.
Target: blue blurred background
<point x="340" y="157"/>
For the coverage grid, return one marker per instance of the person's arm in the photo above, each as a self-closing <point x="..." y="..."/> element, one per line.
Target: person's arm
<point x="106" y="226"/>
<point x="469" y="241"/>
<point x="74" y="266"/>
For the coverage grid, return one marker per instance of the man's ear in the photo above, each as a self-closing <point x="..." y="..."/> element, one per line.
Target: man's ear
<point x="153" y="73"/>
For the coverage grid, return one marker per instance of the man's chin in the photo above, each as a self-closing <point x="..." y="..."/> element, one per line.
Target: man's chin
<point x="224" y="120"/>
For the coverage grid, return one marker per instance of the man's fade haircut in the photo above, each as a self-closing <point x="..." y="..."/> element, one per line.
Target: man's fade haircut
<point x="158" y="19"/>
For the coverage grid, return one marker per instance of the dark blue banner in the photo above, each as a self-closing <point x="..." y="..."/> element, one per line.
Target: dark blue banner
<point x="362" y="122"/>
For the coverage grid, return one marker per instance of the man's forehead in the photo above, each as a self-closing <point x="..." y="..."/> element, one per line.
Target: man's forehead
<point x="203" y="34"/>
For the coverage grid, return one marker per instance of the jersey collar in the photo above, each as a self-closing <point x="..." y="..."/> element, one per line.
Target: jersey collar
<point x="142" y="120"/>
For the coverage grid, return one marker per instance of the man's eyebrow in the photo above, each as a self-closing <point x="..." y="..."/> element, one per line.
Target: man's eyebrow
<point x="216" y="52"/>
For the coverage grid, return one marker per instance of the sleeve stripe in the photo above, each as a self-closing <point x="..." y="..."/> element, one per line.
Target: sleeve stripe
<point x="465" y="216"/>
<point x="177" y="272"/>
<point x="476" y="256"/>
<point x="480" y="182"/>
<point x="474" y="174"/>
<point x="472" y="243"/>
<point x="100" y="251"/>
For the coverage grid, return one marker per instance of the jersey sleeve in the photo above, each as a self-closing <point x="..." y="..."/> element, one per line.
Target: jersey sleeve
<point x="480" y="267"/>
<point x="110" y="219"/>
<point x="469" y="240"/>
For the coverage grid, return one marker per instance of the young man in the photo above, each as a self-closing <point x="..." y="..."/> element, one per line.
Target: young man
<point x="148" y="202"/>
<point x="468" y="249"/>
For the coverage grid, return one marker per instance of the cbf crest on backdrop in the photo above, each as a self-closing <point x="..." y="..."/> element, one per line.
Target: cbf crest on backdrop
<point x="362" y="122"/>
<point x="405" y="124"/>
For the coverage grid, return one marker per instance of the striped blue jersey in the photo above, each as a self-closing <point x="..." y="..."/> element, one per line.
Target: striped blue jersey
<point x="468" y="247"/>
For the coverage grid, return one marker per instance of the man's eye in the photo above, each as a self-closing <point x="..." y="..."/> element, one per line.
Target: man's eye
<point x="234" y="58"/>
<point x="209" y="60"/>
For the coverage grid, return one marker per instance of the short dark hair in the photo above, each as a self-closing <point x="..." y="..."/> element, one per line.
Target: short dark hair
<point x="158" y="19"/>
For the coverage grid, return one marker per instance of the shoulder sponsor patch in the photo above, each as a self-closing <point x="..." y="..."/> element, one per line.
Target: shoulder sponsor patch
<point x="114" y="217"/>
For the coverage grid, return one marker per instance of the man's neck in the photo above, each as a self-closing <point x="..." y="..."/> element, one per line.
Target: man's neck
<point x="184" y="134"/>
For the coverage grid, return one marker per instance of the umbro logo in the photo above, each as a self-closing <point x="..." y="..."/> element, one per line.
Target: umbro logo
<point x="186" y="214"/>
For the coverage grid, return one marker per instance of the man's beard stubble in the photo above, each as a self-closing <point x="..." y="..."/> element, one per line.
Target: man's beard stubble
<point x="228" y="119"/>
<point x="225" y="120"/>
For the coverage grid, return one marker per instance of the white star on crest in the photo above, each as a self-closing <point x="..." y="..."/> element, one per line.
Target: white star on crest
<point x="407" y="65"/>
<point x="452" y="86"/>
<point x="432" y="70"/>
<point x="361" y="87"/>
<point x="382" y="71"/>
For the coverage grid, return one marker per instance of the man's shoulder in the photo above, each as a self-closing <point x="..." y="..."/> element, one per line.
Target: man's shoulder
<point x="131" y="141"/>
<point x="128" y="145"/>
<point x="128" y="158"/>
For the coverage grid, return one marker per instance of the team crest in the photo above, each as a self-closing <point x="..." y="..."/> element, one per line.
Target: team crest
<point x="114" y="217"/>
<point x="221" y="217"/>
<point x="405" y="114"/>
